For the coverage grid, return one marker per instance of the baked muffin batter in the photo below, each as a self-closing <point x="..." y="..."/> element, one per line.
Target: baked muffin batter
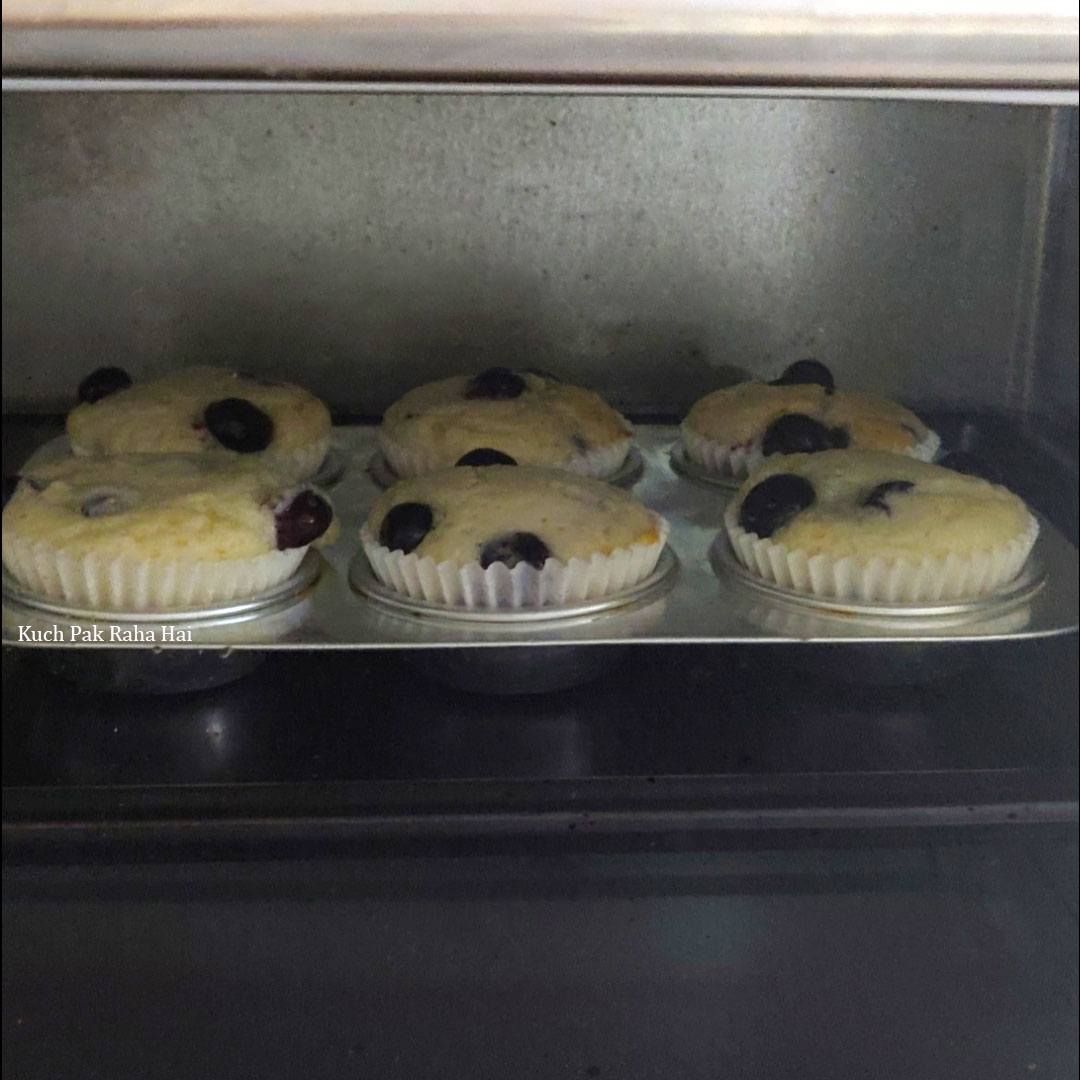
<point x="795" y="416"/>
<point x="508" y="514"/>
<point x="868" y="504"/>
<point x="198" y="410"/>
<point x="534" y="418"/>
<point x="162" y="507"/>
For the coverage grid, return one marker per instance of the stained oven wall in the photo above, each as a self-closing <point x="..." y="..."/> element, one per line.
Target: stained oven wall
<point x="648" y="245"/>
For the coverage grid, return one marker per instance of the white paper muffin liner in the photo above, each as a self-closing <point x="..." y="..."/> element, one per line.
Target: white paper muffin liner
<point x="736" y="463"/>
<point x="524" y="587"/>
<point x="881" y="580"/>
<point x="598" y="463"/>
<point x="135" y="585"/>
<point x="729" y="462"/>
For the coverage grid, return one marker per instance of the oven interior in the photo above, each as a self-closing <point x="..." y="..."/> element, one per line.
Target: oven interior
<point x="649" y="247"/>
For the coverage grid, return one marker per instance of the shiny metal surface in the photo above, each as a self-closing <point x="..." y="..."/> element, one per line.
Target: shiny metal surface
<point x="946" y="42"/>
<point x="649" y="248"/>
<point x="626" y="476"/>
<point x="1053" y="387"/>
<point x="699" y="607"/>
<point x="985" y="95"/>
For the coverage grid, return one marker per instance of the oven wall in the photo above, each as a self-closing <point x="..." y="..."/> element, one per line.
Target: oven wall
<point x="648" y="245"/>
<point x="1054" y="363"/>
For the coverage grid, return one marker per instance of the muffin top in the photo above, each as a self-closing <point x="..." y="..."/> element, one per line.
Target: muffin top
<point x="869" y="503"/>
<point x="183" y="507"/>
<point x="508" y="514"/>
<point x="193" y="410"/>
<point x="533" y="417"/>
<point x="754" y="413"/>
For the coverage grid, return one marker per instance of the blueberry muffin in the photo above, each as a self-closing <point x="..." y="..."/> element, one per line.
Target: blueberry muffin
<point x="505" y="536"/>
<point x="730" y="431"/>
<point x="868" y="525"/>
<point x="201" y="410"/>
<point x="532" y="418"/>
<point x="157" y="532"/>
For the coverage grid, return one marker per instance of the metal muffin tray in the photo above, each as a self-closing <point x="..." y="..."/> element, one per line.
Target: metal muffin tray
<point x="702" y="599"/>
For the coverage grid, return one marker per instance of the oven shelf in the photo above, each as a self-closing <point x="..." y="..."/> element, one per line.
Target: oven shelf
<point x="687" y="746"/>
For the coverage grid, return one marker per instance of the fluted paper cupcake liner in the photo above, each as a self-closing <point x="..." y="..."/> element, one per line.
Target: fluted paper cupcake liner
<point x="300" y="464"/>
<point x="881" y="580"/>
<point x="735" y="463"/>
<point x="727" y="462"/>
<point x="524" y="587"/>
<point x="126" y="584"/>
<point x="598" y="463"/>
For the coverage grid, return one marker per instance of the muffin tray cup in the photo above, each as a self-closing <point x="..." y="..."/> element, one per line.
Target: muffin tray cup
<point x="363" y="579"/>
<point x="1022" y="588"/>
<point x="282" y="598"/>
<point x="685" y="466"/>
<point x="707" y="599"/>
<point x="626" y="476"/>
